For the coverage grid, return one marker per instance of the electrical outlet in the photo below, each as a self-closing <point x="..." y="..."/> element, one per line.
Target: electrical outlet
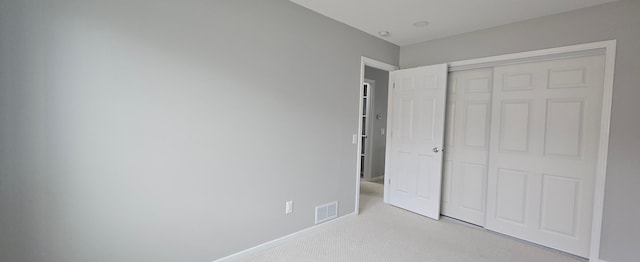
<point x="288" y="207"/>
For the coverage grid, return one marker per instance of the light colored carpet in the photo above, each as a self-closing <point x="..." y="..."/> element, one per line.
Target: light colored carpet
<point x="385" y="233"/>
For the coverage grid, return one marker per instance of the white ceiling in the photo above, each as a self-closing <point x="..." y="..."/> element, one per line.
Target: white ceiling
<point x="446" y="17"/>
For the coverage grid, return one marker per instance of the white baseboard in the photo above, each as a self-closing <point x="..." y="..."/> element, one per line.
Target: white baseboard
<point x="276" y="242"/>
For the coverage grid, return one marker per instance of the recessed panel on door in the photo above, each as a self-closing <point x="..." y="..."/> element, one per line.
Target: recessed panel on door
<point x="572" y="77"/>
<point x="472" y="194"/>
<point x="426" y="119"/>
<point x="425" y="183"/>
<point x="559" y="204"/>
<point x="563" y="132"/>
<point x="404" y="172"/>
<point x="476" y="125"/>
<point x="517" y="82"/>
<point x="405" y="120"/>
<point x="511" y="196"/>
<point x="514" y="125"/>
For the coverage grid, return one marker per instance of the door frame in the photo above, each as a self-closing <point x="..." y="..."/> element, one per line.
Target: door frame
<point x="365" y="61"/>
<point x="606" y="48"/>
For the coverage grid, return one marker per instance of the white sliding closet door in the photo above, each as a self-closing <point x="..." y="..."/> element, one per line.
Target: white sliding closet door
<point x="467" y="145"/>
<point x="414" y="160"/>
<point x="543" y="153"/>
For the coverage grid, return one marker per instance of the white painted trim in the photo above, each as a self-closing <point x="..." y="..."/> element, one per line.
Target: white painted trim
<point x="609" y="48"/>
<point x="279" y="241"/>
<point x="365" y="61"/>
<point x="601" y="168"/>
<point x="368" y="152"/>
<point x="379" y="65"/>
<point x="387" y="153"/>
<point x="529" y="56"/>
<point x="542" y="58"/>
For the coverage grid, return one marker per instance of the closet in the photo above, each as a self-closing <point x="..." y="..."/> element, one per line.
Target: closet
<point x="521" y="148"/>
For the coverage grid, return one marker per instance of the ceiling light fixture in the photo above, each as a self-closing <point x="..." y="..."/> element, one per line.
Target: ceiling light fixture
<point x="421" y="24"/>
<point x="383" y="33"/>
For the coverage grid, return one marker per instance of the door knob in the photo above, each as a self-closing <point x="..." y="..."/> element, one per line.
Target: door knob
<point x="436" y="149"/>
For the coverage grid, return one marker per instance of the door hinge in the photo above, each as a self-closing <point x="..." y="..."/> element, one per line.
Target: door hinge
<point x="394" y="85"/>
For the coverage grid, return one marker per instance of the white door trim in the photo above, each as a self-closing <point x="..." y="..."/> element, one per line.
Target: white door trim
<point x="365" y="61"/>
<point x="608" y="48"/>
<point x="377" y="64"/>
<point x="535" y="56"/>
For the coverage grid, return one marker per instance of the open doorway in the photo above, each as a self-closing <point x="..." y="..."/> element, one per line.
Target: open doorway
<point x="374" y="121"/>
<point x="372" y="126"/>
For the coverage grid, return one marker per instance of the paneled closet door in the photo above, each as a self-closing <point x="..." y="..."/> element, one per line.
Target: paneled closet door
<point x="544" y="144"/>
<point x="467" y="145"/>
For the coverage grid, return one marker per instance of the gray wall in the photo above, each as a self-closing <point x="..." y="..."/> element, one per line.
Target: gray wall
<point x="145" y="130"/>
<point x="380" y="107"/>
<point x="618" y="20"/>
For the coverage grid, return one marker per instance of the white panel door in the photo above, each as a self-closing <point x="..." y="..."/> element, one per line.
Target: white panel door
<point x="414" y="170"/>
<point x="467" y="145"/>
<point x="543" y="154"/>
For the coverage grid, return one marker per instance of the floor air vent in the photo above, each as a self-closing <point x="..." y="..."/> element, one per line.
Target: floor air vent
<point x="326" y="212"/>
